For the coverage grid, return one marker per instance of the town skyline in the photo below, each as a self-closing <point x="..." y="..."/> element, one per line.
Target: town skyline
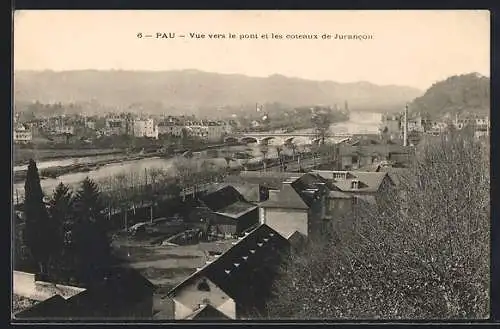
<point x="449" y="43"/>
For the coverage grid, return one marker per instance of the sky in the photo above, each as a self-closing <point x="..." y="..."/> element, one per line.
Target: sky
<point x="413" y="48"/>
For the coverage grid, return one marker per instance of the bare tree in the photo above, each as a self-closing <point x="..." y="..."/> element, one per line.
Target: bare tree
<point x="293" y="146"/>
<point x="421" y="253"/>
<point x="279" y="150"/>
<point x="322" y="119"/>
<point x="264" y="149"/>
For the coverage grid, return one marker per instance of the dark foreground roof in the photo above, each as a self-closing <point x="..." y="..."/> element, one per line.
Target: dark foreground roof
<point x="54" y="307"/>
<point x="247" y="270"/>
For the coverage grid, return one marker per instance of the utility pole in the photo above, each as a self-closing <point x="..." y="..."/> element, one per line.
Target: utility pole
<point x="405" y="127"/>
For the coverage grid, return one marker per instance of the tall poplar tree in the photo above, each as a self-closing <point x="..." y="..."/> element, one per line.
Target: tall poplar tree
<point x="39" y="231"/>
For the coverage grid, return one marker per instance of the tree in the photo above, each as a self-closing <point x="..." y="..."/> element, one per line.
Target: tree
<point x="279" y="150"/>
<point x="264" y="149"/>
<point x="61" y="214"/>
<point x="60" y="209"/>
<point x="322" y="119"/>
<point x="422" y="253"/>
<point x="92" y="245"/>
<point x="293" y="146"/>
<point x="39" y="234"/>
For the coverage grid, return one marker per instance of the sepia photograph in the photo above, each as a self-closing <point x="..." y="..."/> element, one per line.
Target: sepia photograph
<point x="250" y="165"/>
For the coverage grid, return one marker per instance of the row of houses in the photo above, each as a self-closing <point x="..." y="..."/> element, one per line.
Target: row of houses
<point x="392" y="124"/>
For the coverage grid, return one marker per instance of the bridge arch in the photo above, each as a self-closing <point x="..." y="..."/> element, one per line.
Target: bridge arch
<point x="266" y="140"/>
<point x="188" y="154"/>
<point x="289" y="140"/>
<point x="230" y="140"/>
<point x="316" y="141"/>
<point x="249" y="140"/>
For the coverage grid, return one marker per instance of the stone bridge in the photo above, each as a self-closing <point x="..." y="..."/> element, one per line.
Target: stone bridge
<point x="283" y="138"/>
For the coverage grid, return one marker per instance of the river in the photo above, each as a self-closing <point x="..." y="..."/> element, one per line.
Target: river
<point x="359" y="123"/>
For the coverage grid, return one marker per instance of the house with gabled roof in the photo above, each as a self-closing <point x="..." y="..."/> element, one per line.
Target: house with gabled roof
<point x="362" y="152"/>
<point x="351" y="187"/>
<point x="226" y="210"/>
<point x="237" y="283"/>
<point x="298" y="205"/>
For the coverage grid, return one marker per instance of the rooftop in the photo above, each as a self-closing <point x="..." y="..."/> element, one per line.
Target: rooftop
<point x="368" y="181"/>
<point x="249" y="264"/>
<point x="237" y="209"/>
<point x="20" y="303"/>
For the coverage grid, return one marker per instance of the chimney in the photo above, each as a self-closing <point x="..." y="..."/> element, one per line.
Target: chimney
<point x="405" y="127"/>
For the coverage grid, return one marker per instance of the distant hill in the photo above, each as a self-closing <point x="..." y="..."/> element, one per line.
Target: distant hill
<point x="457" y="94"/>
<point x="192" y="89"/>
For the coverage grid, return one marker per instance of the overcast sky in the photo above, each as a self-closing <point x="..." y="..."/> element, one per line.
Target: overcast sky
<point x="414" y="48"/>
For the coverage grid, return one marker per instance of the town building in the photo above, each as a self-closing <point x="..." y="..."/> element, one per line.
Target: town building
<point x="145" y="128"/>
<point x="237" y="283"/>
<point x="227" y="212"/>
<point x="298" y="205"/>
<point x="256" y="185"/>
<point x="197" y="131"/>
<point x="170" y="128"/>
<point x="358" y="153"/>
<point x="391" y="126"/>
<point x="22" y="135"/>
<point x="348" y="188"/>
<point x="64" y="130"/>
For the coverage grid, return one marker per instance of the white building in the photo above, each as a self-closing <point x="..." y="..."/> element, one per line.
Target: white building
<point x="145" y="128"/>
<point x="198" y="131"/>
<point x="22" y="135"/>
<point x="64" y="130"/>
<point x="170" y="128"/>
<point x="216" y="131"/>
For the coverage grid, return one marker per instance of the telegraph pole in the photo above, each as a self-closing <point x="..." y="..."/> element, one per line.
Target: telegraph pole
<point x="405" y="127"/>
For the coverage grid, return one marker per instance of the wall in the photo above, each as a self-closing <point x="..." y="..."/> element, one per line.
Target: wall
<point x="189" y="298"/>
<point x="287" y="221"/>
<point x="24" y="284"/>
<point x="337" y="207"/>
<point x="247" y="220"/>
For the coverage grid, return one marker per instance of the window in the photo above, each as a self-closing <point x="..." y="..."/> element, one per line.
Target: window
<point x="203" y="286"/>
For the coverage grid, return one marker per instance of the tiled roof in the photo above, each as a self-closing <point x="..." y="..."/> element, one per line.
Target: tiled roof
<point x="222" y="198"/>
<point x="237" y="209"/>
<point x="249" y="191"/>
<point x="246" y="271"/>
<point x="271" y="180"/>
<point x="286" y="197"/>
<point x="368" y="181"/>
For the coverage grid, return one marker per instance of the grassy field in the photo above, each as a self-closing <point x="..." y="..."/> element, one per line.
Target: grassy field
<point x="22" y="155"/>
<point x="164" y="266"/>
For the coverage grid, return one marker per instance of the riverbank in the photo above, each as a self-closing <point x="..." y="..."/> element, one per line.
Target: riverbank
<point x="54" y="172"/>
<point x="23" y="155"/>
